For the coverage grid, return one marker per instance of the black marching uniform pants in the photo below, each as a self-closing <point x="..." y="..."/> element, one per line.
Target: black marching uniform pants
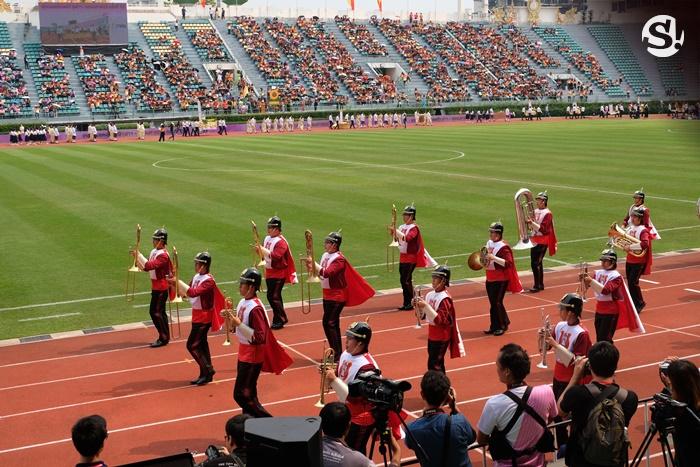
<point x="357" y="437"/>
<point x="605" y="326"/>
<point x="562" y="430"/>
<point x="633" y="271"/>
<point x="406" y="277"/>
<point x="198" y="346"/>
<point x="274" y="298"/>
<point x="536" y="257"/>
<point x="158" y="314"/>
<point x="245" y="391"/>
<point x="436" y="355"/>
<point x="331" y="325"/>
<point x="496" y="290"/>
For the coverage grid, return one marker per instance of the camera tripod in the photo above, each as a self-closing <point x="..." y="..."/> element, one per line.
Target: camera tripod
<point x="382" y="431"/>
<point x="663" y="441"/>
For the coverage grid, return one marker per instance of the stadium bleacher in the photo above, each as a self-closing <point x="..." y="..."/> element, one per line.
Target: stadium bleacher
<point x="139" y="81"/>
<point x="52" y="83"/>
<point x="99" y="84"/>
<point x="206" y="41"/>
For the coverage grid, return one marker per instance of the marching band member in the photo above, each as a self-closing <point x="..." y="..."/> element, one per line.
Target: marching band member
<point x="544" y="239"/>
<point x="443" y="332"/>
<point x="342" y="286"/>
<point x="279" y="268"/>
<point x="353" y="362"/>
<point x="159" y="267"/>
<point x="501" y="276"/>
<point x="569" y="340"/>
<point x="638" y="198"/>
<point x="412" y="253"/>
<point x="258" y="349"/>
<point x="614" y="308"/>
<point x="207" y="301"/>
<point x="637" y="266"/>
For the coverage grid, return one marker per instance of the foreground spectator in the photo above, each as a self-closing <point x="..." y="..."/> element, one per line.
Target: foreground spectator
<point x="235" y="453"/>
<point x="685" y="387"/>
<point x="590" y="404"/>
<point x="513" y="424"/>
<point x="89" y="434"/>
<point x="429" y="430"/>
<point x="335" y="423"/>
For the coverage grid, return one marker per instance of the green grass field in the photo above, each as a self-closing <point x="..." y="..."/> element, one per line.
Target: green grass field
<point x="69" y="212"/>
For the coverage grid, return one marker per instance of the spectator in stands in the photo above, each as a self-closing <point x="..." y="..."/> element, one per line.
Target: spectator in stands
<point x="579" y="401"/>
<point x="513" y="424"/>
<point x="235" y="452"/>
<point x="429" y="430"/>
<point x="684" y="382"/>
<point x="335" y="423"/>
<point x="89" y="434"/>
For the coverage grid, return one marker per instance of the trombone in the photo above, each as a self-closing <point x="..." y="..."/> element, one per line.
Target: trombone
<point x="393" y="244"/>
<point x="177" y="299"/>
<point x="312" y="273"/>
<point x="419" y="315"/>
<point x="546" y="332"/>
<point x="328" y="363"/>
<point x="131" y="272"/>
<point x="256" y="238"/>
<point x="582" y="288"/>
<point x="227" y="313"/>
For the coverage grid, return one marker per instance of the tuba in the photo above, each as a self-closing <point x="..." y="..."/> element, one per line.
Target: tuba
<point x="619" y="239"/>
<point x="312" y="277"/>
<point x="524" y="210"/>
<point x="131" y="272"/>
<point x="328" y="363"/>
<point x="479" y="259"/>
<point x="393" y="244"/>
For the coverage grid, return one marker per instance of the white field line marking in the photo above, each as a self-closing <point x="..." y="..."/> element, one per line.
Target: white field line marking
<point x="669" y="329"/>
<point x="649" y="282"/>
<point x="692" y="290"/>
<point x="442" y="174"/>
<point x="48" y="317"/>
<point x="466" y="253"/>
<point x="274" y="403"/>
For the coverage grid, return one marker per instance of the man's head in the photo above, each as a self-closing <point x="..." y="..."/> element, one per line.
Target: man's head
<point x="542" y="199"/>
<point x="409" y="213"/>
<point x="202" y="262"/>
<point x="357" y="338"/>
<point x="608" y="259"/>
<point x="160" y="237"/>
<point x="441" y="277"/>
<point x="332" y="242"/>
<point x="235" y="429"/>
<point x="274" y="225"/>
<point x="637" y="215"/>
<point x="250" y="280"/>
<point x="434" y="388"/>
<point x="335" y="419"/>
<point x="570" y="304"/>
<point x="89" y="434"/>
<point x="512" y="364"/>
<point x="496" y="231"/>
<point x="603" y="358"/>
<point x="638" y="197"/>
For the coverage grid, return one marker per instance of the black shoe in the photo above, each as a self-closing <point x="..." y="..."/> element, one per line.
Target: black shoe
<point x="277" y="326"/>
<point x="490" y="331"/>
<point x="499" y="332"/>
<point x="195" y="381"/>
<point x="201" y="381"/>
<point x="534" y="290"/>
<point x="158" y="343"/>
<point x="641" y="307"/>
<point x="405" y="307"/>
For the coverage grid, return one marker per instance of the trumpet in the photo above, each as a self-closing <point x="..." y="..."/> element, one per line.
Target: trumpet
<point x="227" y="313"/>
<point x="256" y="238"/>
<point x="328" y="363"/>
<point x="582" y="288"/>
<point x="131" y="272"/>
<point x="546" y="331"/>
<point x="312" y="273"/>
<point x="479" y="259"/>
<point x="393" y="244"/>
<point x="419" y="315"/>
<point x="177" y="299"/>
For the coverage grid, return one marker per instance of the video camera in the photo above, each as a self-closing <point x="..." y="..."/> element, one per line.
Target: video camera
<point x="665" y="411"/>
<point x="384" y="393"/>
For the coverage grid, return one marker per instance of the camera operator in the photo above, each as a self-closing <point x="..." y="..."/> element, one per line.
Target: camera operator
<point x="431" y="429"/>
<point x="355" y="360"/>
<point x="234" y="454"/>
<point x="685" y="387"/>
<point x="89" y="434"/>
<point x="335" y="423"/>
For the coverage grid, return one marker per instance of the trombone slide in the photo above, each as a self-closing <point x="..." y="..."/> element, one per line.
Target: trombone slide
<point x="547" y="331"/>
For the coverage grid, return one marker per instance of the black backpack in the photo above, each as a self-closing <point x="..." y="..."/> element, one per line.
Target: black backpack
<point x="499" y="446"/>
<point x="603" y="438"/>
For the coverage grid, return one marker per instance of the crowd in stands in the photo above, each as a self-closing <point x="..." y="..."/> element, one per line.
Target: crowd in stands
<point x="522" y="44"/>
<point x="55" y="90"/>
<point x="425" y="62"/>
<point x="206" y="41"/>
<point x="364" y="89"/>
<point x="140" y="85"/>
<point x="99" y="84"/>
<point x="358" y="34"/>
<point x="14" y="97"/>
<point x="516" y="78"/>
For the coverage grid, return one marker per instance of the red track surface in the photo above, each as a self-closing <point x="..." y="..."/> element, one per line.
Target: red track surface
<point x="152" y="410"/>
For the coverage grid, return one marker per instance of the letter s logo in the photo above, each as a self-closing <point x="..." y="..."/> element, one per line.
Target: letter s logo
<point x="660" y="38"/>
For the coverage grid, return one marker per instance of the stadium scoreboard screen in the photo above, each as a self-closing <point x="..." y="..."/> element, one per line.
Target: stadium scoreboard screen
<point x="73" y="23"/>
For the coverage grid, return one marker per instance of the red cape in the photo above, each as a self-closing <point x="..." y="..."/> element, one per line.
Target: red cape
<point x="514" y="285"/>
<point x="423" y="258"/>
<point x="290" y="274"/>
<point x="217" y="321"/>
<point x="552" y="240"/>
<point x="358" y="291"/>
<point x="456" y="343"/>
<point x="627" y="313"/>
<point x="647" y="267"/>
<point x="275" y="358"/>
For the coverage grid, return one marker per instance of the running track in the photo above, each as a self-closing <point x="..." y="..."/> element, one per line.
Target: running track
<point x="152" y="410"/>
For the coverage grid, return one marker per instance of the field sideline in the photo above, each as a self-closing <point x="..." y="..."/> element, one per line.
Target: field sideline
<point x="70" y="211"/>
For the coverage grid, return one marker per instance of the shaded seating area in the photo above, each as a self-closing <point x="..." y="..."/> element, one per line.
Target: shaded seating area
<point x="56" y="98"/>
<point x="206" y="41"/>
<point x="100" y="86"/>
<point x="140" y="85"/>
<point x="14" y="96"/>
